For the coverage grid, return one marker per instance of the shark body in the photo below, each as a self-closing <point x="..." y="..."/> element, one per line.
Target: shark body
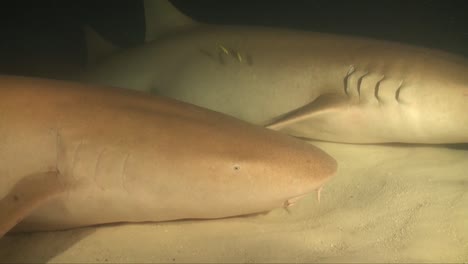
<point x="306" y="84"/>
<point x="72" y="155"/>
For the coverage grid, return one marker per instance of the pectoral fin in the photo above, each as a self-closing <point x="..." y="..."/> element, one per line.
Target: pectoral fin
<point x="28" y="194"/>
<point x="322" y="105"/>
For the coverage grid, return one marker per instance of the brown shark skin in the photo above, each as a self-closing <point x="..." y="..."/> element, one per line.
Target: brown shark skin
<point x="390" y="92"/>
<point x="127" y="156"/>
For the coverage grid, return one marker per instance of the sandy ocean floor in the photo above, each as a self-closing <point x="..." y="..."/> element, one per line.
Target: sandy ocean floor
<point x="387" y="204"/>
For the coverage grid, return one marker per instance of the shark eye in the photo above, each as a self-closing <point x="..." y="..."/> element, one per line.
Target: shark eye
<point x="236" y="167"/>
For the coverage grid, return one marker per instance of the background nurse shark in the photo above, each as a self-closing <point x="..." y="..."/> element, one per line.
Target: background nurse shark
<point x="309" y="85"/>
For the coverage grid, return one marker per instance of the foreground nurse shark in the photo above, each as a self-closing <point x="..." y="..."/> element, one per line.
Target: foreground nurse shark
<point x="73" y="155"/>
<point x="310" y="85"/>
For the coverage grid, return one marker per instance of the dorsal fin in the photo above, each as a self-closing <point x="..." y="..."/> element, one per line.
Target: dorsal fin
<point x="321" y="105"/>
<point x="162" y="17"/>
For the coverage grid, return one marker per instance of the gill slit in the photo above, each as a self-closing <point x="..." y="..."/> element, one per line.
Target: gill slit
<point x="346" y="79"/>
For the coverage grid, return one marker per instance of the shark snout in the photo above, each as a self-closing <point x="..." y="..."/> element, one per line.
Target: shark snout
<point x="321" y="166"/>
<point x="310" y="168"/>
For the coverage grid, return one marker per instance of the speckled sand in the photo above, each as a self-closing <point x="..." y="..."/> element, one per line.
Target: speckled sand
<point x="387" y="204"/>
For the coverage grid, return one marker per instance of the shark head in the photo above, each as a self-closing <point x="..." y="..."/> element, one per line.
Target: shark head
<point x="256" y="170"/>
<point x="225" y="167"/>
<point x="272" y="168"/>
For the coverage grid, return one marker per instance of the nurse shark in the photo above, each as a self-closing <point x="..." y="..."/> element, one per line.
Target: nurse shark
<point x="74" y="155"/>
<point x="309" y="85"/>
